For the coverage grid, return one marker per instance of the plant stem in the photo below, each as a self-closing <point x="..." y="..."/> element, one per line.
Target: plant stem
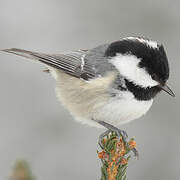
<point x="114" y="156"/>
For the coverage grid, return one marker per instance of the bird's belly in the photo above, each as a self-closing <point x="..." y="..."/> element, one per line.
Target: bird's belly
<point x="89" y="103"/>
<point x="121" y="111"/>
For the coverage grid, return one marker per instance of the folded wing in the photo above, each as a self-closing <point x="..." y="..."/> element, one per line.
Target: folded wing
<point x="72" y="63"/>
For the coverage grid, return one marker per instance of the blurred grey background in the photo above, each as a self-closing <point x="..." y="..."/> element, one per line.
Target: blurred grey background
<point x="34" y="125"/>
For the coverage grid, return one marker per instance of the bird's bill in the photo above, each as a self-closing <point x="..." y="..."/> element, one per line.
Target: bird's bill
<point x="167" y="89"/>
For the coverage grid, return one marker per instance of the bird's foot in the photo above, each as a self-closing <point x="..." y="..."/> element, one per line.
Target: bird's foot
<point x="136" y="153"/>
<point x="120" y="134"/>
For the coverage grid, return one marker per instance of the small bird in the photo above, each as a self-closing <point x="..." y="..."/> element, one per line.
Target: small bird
<point x="109" y="85"/>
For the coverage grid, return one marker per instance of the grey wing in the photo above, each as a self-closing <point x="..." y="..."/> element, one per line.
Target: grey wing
<point x="71" y="63"/>
<point x="97" y="60"/>
<point x="85" y="64"/>
<point x="92" y="63"/>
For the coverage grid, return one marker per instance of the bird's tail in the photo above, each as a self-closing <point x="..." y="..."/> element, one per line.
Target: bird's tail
<point x="23" y="53"/>
<point x="40" y="57"/>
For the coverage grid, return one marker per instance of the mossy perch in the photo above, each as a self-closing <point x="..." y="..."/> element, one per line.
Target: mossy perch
<point x="114" y="156"/>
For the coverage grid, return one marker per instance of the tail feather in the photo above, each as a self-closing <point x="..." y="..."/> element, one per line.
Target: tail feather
<point x="66" y="63"/>
<point x="39" y="57"/>
<point x="23" y="53"/>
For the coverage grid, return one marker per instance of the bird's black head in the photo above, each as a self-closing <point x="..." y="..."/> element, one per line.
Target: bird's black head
<point x="151" y="59"/>
<point x="152" y="55"/>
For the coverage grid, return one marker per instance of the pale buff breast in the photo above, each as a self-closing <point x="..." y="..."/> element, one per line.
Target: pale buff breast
<point x="82" y="98"/>
<point x="90" y="100"/>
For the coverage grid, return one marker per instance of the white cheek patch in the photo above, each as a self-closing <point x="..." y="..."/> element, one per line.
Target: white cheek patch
<point x="128" y="67"/>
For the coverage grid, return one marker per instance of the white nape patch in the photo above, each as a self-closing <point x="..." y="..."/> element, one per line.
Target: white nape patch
<point x="128" y="67"/>
<point x="149" y="43"/>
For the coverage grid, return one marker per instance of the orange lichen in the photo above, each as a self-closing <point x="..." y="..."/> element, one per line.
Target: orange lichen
<point x="124" y="161"/>
<point x="101" y="155"/>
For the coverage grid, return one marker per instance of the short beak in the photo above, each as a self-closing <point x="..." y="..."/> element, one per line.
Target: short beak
<point x="167" y="90"/>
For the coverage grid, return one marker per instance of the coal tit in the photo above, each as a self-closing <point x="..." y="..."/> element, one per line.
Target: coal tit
<point x="111" y="84"/>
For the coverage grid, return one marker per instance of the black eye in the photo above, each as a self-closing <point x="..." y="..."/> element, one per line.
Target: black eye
<point x="154" y="77"/>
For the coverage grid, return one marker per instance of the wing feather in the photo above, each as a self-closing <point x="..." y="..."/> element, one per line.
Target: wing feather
<point x="72" y="63"/>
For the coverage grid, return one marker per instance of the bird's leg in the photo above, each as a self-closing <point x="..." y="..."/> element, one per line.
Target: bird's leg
<point x="120" y="133"/>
